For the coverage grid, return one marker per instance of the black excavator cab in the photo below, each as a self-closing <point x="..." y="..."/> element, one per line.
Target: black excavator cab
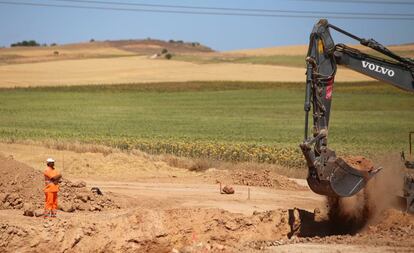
<point x="328" y="174"/>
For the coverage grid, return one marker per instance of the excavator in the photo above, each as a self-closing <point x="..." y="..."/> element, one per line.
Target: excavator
<point x="328" y="174"/>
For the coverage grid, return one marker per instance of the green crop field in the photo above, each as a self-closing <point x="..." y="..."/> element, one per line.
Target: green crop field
<point x="220" y="120"/>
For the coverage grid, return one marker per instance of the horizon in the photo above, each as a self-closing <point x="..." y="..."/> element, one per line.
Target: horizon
<point x="45" y="44"/>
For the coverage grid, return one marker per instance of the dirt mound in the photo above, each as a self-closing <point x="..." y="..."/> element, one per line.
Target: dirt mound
<point x="264" y="178"/>
<point x="22" y="187"/>
<point x="19" y="184"/>
<point x="392" y="223"/>
<point x="77" y="197"/>
<point x="193" y="230"/>
<point x="147" y="230"/>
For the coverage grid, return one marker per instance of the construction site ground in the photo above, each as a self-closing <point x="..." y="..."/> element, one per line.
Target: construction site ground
<point x="149" y="206"/>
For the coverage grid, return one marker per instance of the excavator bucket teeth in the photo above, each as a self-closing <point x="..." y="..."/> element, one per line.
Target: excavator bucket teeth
<point x="343" y="180"/>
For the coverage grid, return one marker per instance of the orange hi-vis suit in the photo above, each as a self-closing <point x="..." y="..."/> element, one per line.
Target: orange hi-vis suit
<point x="51" y="189"/>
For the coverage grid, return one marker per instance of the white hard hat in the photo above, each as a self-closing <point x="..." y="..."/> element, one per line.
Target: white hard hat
<point x="50" y="160"/>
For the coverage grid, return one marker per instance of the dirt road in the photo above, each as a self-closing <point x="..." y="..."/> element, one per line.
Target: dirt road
<point x="173" y="195"/>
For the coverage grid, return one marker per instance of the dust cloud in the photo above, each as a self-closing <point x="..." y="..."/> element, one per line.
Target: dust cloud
<point x="350" y="215"/>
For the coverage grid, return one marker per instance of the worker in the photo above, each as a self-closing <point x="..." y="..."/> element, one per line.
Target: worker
<point x="51" y="189"/>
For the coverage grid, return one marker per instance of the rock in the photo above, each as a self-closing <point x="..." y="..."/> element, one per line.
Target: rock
<point x="12" y="197"/>
<point x="17" y="201"/>
<point x="28" y="210"/>
<point x="95" y="208"/>
<point x="18" y="206"/>
<point x="228" y="190"/>
<point x="187" y="249"/>
<point x="29" y="213"/>
<point x="248" y="222"/>
<point x="96" y="190"/>
<point x="66" y="207"/>
<point x="83" y="197"/>
<point x="38" y="212"/>
<point x="79" y="184"/>
<point x="232" y="225"/>
<point x="219" y="246"/>
<point x="34" y="242"/>
<point x="3" y="197"/>
<point x="79" y="207"/>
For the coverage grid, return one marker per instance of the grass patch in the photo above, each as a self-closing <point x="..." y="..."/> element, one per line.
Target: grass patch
<point x="227" y="121"/>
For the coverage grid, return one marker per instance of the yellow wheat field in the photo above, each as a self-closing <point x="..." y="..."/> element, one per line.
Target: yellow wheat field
<point x="303" y="49"/>
<point x="139" y="69"/>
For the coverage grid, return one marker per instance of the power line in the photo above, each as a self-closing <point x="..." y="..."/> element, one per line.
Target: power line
<point x="202" y="13"/>
<point x="363" y="2"/>
<point x="232" y="9"/>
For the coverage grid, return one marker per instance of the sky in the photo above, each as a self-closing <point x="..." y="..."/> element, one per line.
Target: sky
<point x="65" y="25"/>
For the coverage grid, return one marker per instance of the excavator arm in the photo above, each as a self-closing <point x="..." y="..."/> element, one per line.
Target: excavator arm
<point x="328" y="174"/>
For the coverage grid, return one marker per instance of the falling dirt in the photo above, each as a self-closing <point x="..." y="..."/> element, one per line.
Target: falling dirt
<point x="350" y="215"/>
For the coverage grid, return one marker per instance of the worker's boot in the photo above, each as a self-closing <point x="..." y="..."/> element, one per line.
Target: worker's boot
<point x="53" y="213"/>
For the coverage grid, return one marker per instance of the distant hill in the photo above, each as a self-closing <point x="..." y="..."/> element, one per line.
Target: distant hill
<point x="98" y="49"/>
<point x="154" y="46"/>
<point x="403" y="44"/>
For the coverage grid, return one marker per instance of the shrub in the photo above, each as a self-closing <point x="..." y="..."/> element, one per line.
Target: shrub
<point x="123" y="146"/>
<point x="25" y="43"/>
<point x="164" y="51"/>
<point x="168" y="56"/>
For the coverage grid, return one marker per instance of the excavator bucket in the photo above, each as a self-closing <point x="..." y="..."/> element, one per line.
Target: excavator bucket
<point x="339" y="179"/>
